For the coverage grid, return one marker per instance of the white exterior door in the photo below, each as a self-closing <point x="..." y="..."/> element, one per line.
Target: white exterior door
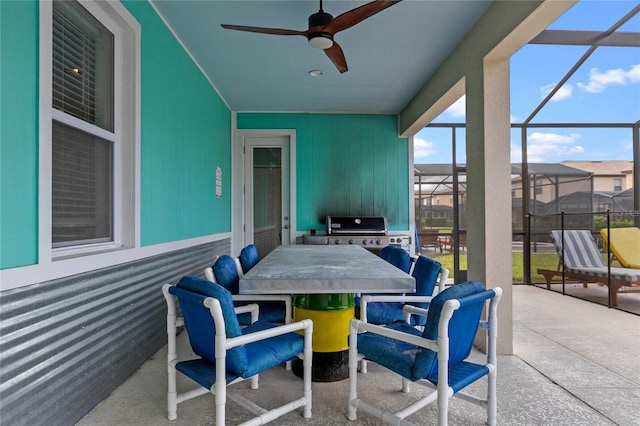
<point x="268" y="189"/>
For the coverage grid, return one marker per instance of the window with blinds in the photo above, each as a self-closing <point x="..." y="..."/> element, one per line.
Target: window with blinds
<point x="82" y="151"/>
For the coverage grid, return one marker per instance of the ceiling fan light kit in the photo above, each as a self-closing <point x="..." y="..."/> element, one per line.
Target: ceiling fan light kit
<point x="323" y="27"/>
<point x="321" y="40"/>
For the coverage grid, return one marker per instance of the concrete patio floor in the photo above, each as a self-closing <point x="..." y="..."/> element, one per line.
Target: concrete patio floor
<point x="575" y="363"/>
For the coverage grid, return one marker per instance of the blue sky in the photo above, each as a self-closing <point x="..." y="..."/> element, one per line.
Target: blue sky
<point x="605" y="89"/>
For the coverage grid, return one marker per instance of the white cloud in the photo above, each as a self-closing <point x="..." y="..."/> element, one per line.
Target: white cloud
<point x="598" y="81"/>
<point x="458" y="108"/>
<point x="543" y="147"/>
<point x="423" y="149"/>
<point x="563" y="93"/>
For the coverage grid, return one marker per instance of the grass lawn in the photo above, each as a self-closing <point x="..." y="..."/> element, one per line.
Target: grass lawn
<point x="538" y="261"/>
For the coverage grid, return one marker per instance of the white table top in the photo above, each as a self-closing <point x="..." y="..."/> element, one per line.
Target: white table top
<point x="317" y="269"/>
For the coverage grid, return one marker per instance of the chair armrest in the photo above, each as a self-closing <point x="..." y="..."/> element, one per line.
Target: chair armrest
<point x="208" y="273"/>
<point x="359" y="326"/>
<point x="306" y="325"/>
<point x="382" y="298"/>
<point x="252" y="308"/>
<point x="364" y="300"/>
<point x="408" y="310"/>
<point x="442" y="280"/>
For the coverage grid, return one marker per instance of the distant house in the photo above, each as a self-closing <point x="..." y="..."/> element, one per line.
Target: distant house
<point x="610" y="175"/>
<point x="549" y="182"/>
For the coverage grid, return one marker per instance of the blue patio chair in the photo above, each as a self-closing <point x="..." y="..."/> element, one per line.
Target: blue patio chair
<point x="228" y="354"/>
<point x="385" y="309"/>
<point x="248" y="258"/>
<point x="435" y="357"/>
<point x="275" y="308"/>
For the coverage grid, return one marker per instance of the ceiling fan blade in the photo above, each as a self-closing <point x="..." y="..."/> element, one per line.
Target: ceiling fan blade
<point x="336" y="55"/>
<point x="274" y="31"/>
<point x="357" y="15"/>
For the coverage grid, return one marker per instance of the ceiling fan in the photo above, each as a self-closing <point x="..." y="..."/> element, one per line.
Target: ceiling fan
<point x="323" y="27"/>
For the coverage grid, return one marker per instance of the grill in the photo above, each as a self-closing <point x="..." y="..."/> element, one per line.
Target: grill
<point x="369" y="232"/>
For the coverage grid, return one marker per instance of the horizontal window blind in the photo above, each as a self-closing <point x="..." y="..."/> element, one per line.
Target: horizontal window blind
<point x="82" y="65"/>
<point x="82" y="203"/>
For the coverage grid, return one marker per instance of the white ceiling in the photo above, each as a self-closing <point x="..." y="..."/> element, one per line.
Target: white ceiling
<point x="390" y="55"/>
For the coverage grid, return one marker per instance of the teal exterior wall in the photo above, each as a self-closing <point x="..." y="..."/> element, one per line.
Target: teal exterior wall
<point x="347" y="164"/>
<point x="185" y="134"/>
<point x="18" y="133"/>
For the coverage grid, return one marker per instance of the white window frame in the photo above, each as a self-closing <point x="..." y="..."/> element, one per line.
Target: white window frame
<point x="125" y="137"/>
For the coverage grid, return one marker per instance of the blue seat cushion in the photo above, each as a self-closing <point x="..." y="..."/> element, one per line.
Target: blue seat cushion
<point x="393" y="354"/>
<point x="462" y="375"/>
<point x="202" y="372"/>
<point x="261" y="356"/>
<point x="270" y="352"/>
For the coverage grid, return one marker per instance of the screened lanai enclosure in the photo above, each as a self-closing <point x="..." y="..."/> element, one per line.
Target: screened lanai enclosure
<point x="570" y="189"/>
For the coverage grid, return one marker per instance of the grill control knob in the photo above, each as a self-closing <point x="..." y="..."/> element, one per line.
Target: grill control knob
<point x="364" y="242"/>
<point x="337" y="241"/>
<point x="350" y="241"/>
<point x="378" y="242"/>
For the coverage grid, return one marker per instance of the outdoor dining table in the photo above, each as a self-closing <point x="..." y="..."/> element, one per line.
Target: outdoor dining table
<point x="324" y="281"/>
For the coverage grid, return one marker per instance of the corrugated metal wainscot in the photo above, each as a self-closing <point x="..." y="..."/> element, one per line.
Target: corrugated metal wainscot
<point x="66" y="344"/>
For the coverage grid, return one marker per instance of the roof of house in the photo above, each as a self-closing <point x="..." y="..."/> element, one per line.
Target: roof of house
<point x="599" y="168"/>
<point x="549" y="169"/>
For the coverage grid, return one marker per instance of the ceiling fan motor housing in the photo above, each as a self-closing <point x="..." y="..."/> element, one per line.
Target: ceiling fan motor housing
<point x="320" y="18"/>
<point x="320" y="39"/>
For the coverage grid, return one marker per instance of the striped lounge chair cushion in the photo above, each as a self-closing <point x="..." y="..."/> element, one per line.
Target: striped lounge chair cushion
<point x="581" y="255"/>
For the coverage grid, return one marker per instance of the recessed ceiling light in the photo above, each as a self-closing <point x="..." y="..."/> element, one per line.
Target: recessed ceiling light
<point x="316" y="73"/>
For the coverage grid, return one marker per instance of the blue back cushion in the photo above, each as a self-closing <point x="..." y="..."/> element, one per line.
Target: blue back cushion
<point x="462" y="326"/>
<point x="226" y="273"/>
<point x="248" y="257"/>
<point x="426" y="274"/>
<point x="191" y="292"/>
<point x="397" y="257"/>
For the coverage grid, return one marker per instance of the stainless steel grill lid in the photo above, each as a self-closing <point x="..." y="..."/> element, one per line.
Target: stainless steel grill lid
<point x="356" y="225"/>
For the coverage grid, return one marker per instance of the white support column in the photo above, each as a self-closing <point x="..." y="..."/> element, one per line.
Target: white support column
<point x="489" y="186"/>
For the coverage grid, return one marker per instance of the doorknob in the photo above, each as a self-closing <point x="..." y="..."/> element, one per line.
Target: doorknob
<point x="285" y="227"/>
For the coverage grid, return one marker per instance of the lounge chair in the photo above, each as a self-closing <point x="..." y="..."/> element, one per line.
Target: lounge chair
<point x="583" y="262"/>
<point x="625" y="246"/>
